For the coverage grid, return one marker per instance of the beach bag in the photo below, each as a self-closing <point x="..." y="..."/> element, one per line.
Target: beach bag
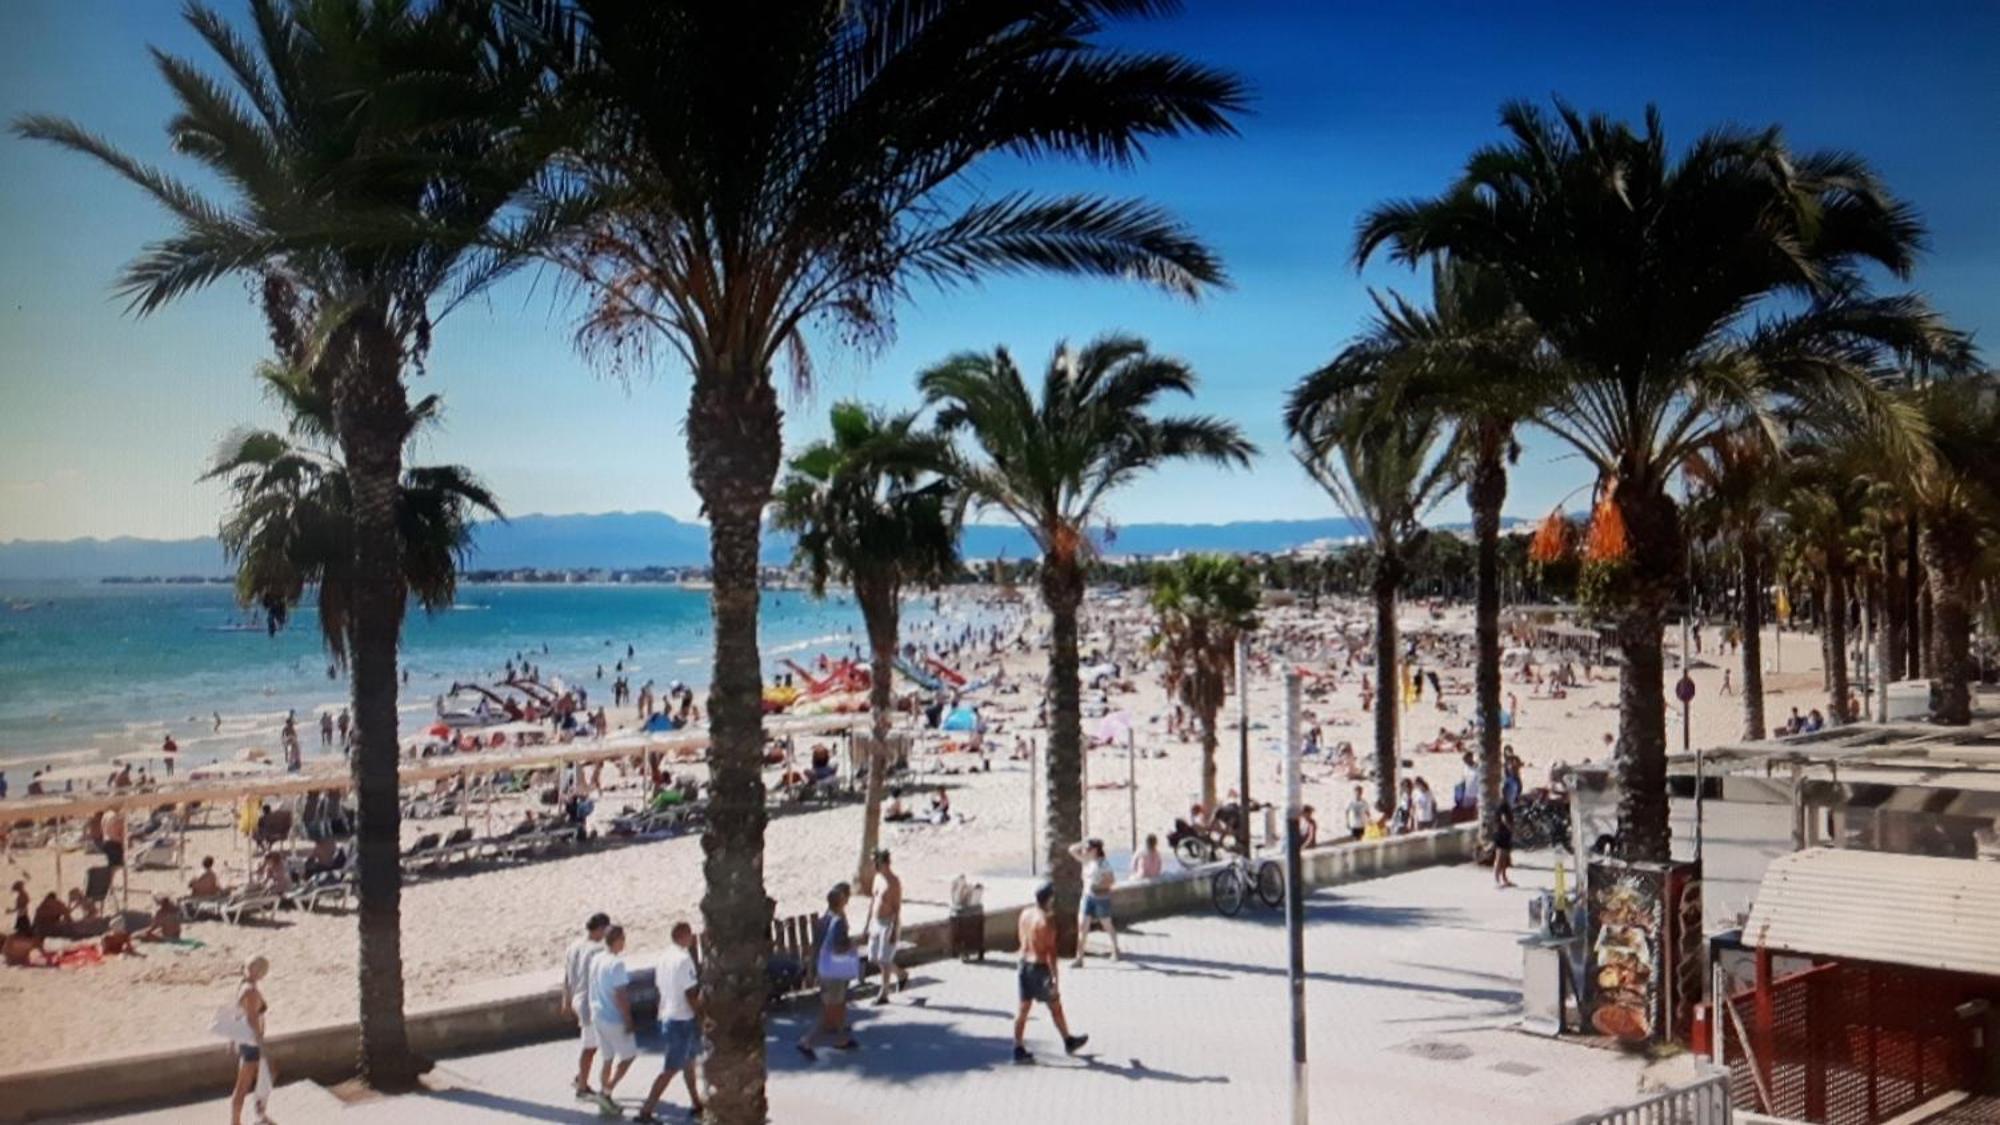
<point x="834" y="965"/>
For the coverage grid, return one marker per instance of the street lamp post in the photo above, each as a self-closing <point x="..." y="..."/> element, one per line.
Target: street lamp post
<point x="1295" y="897"/>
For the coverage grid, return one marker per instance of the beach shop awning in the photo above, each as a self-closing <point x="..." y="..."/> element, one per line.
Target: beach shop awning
<point x="1918" y="911"/>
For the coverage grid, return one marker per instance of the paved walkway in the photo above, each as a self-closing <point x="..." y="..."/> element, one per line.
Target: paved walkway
<point x="1414" y="986"/>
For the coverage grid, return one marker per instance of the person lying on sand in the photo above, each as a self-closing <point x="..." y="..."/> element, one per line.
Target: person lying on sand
<point x="118" y="941"/>
<point x="23" y="947"/>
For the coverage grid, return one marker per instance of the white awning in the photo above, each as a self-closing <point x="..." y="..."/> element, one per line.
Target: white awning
<point x="1920" y="911"/>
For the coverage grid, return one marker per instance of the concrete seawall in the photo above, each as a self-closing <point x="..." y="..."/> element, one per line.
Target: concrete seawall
<point x="327" y="1053"/>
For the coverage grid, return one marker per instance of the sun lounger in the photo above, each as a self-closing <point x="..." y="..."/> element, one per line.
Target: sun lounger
<point x="335" y="888"/>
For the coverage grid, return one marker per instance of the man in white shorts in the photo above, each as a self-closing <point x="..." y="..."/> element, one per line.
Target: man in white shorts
<point x="611" y="1010"/>
<point x="886" y="927"/>
<point x="576" y="995"/>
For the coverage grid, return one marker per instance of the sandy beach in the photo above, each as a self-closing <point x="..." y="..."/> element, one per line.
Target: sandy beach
<point x="473" y="932"/>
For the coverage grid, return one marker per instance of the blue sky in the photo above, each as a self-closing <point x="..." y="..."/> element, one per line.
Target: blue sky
<point x="105" y="420"/>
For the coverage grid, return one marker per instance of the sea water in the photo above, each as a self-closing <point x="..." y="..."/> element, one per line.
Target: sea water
<point x="111" y="668"/>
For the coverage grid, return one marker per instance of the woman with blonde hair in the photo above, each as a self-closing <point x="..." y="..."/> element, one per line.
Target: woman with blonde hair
<point x="253" y="1069"/>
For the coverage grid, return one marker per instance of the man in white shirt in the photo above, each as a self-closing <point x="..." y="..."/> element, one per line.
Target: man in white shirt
<point x="611" y="1010"/>
<point x="1357" y="815"/>
<point x="576" y="994"/>
<point x="680" y="1006"/>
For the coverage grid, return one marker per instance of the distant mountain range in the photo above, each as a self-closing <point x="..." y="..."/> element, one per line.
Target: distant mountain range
<point x="628" y="541"/>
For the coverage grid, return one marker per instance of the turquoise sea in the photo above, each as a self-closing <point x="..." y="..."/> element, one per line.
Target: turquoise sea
<point x="112" y="668"/>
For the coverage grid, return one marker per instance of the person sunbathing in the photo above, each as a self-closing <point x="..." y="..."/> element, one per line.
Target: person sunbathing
<point x="51" y="917"/>
<point x="897" y="811"/>
<point x="118" y="941"/>
<point x="166" y="924"/>
<point x="207" y="884"/>
<point x="23" y="946"/>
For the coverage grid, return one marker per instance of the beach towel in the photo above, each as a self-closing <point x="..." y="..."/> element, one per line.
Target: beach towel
<point x="80" y="957"/>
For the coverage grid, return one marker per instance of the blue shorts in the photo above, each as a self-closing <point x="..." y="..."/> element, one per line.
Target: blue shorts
<point x="1095" y="906"/>
<point x="249" y="1052"/>
<point x="682" y="1043"/>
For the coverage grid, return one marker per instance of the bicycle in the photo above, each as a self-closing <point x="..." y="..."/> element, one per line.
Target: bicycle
<point x="1243" y="877"/>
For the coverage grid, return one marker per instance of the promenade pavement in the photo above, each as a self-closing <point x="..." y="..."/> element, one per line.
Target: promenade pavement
<point x="1412" y="996"/>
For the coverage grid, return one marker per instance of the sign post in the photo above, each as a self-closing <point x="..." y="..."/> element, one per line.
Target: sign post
<point x="1295" y="898"/>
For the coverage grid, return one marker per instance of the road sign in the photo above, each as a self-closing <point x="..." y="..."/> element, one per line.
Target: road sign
<point x="1684" y="690"/>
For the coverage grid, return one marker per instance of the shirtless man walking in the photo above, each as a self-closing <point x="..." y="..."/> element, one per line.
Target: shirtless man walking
<point x="1037" y="974"/>
<point x="886" y="929"/>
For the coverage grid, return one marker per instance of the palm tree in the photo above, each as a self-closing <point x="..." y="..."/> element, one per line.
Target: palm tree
<point x="760" y="170"/>
<point x="1956" y="496"/>
<point x="1475" y="358"/>
<point x="1660" y="284"/>
<point x="370" y="150"/>
<point x="291" y="526"/>
<point x="870" y="509"/>
<point x="1386" y="463"/>
<point x="1204" y="603"/>
<point x="1735" y="475"/>
<point x="1049" y="464"/>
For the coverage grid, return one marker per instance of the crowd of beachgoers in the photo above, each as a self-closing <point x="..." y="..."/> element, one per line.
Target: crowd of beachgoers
<point x="150" y="916"/>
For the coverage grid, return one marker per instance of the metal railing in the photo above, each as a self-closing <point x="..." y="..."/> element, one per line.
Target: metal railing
<point x="1703" y="1103"/>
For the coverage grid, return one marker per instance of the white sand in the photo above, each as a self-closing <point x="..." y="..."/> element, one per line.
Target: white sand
<point x="468" y="935"/>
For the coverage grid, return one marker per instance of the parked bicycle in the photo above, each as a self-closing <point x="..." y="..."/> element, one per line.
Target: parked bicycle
<point x="1244" y="878"/>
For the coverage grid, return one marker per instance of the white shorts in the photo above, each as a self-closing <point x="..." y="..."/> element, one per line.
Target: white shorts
<point x="614" y="1042"/>
<point x="882" y="944"/>
<point x="589" y="1034"/>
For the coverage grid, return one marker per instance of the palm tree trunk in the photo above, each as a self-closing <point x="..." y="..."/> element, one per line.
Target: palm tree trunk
<point x="1949" y="549"/>
<point x="1640" y="756"/>
<point x="734" y="444"/>
<point x="1211" y="742"/>
<point x="1750" y="622"/>
<point x="372" y="416"/>
<point x="1894" y="618"/>
<point x="1062" y="593"/>
<point x="1389" y="701"/>
<point x="1914" y="640"/>
<point x="879" y="611"/>
<point x="1836" y="642"/>
<point x="1486" y="493"/>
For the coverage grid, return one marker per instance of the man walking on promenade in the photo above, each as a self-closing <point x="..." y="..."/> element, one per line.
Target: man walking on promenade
<point x="611" y="1009"/>
<point x="680" y="1008"/>
<point x="1037" y="974"/>
<point x="576" y="994"/>
<point x="886" y="927"/>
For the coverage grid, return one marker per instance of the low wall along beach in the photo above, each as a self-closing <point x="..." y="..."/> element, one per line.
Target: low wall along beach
<point x="327" y="1053"/>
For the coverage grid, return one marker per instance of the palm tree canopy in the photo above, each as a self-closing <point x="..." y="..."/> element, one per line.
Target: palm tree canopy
<point x="372" y="150"/>
<point x="1686" y="295"/>
<point x="755" y="167"/>
<point x="1049" y="462"/>
<point x="1201" y="605"/>
<point x="870" y="502"/>
<point x="290" y="526"/>
<point x="1386" y="461"/>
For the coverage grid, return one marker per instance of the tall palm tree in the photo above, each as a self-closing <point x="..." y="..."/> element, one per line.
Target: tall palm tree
<point x="370" y="151"/>
<point x="1386" y="463"/>
<point x="1049" y="462"/>
<point x="869" y="508"/>
<point x="761" y="169"/>
<point x="1661" y="283"/>
<point x="1203" y="603"/>
<point x="290" y="528"/>
<point x="1475" y="358"/>
<point x="1735" y="477"/>
<point x="1956" y="495"/>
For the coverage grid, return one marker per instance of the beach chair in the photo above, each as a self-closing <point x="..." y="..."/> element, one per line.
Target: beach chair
<point x="156" y="854"/>
<point x="425" y="847"/>
<point x="247" y="902"/>
<point x="334" y="887"/>
<point x="457" y="848"/>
